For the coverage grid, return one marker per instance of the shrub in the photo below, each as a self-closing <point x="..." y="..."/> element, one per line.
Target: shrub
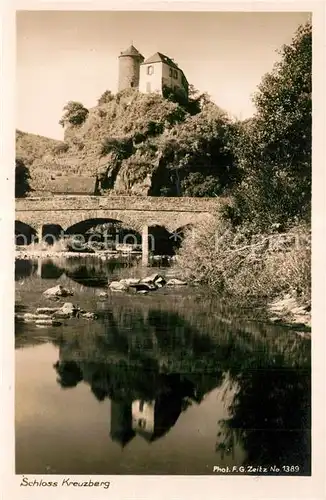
<point x="22" y="178"/>
<point x="241" y="263"/>
<point x="106" y="97"/>
<point x="198" y="184"/>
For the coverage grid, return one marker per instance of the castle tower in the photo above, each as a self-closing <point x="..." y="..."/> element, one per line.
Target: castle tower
<point x="129" y="64"/>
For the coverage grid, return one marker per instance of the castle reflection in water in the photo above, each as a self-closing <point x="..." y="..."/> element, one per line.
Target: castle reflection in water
<point x="150" y="417"/>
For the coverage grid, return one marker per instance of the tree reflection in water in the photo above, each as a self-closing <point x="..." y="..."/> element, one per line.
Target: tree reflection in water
<point x="153" y="364"/>
<point x="270" y="416"/>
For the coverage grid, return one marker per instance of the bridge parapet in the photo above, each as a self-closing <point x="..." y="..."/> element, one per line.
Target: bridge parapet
<point x="136" y="203"/>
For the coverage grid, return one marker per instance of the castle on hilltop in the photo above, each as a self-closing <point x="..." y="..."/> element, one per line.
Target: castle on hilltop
<point x="151" y="75"/>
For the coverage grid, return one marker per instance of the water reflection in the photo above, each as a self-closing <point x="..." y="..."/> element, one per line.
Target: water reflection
<point x="24" y="268"/>
<point x="270" y="415"/>
<point x="92" y="272"/>
<point x="154" y="362"/>
<point x="153" y="366"/>
<point x="141" y="403"/>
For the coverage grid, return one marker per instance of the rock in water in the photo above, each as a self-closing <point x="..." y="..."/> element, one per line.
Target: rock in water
<point x="49" y="322"/>
<point x="130" y="281"/>
<point x="151" y="279"/>
<point x="175" y="282"/>
<point x="30" y="316"/>
<point x="143" y="287"/>
<point x="57" y="291"/>
<point x="61" y="315"/>
<point x="117" y="286"/>
<point x="69" y="307"/>
<point x="68" y="310"/>
<point x="160" y="281"/>
<point x="89" y="315"/>
<point x="47" y="310"/>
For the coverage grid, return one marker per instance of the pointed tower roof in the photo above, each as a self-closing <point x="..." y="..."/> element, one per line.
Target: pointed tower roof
<point x="123" y="438"/>
<point x="131" y="51"/>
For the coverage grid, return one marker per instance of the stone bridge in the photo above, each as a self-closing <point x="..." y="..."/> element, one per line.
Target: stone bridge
<point x="137" y="213"/>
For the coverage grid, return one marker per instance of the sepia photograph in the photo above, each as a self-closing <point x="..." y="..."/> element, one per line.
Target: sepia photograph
<point x="162" y="244"/>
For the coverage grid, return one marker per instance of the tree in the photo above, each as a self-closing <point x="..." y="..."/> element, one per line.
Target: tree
<point x="193" y="103"/>
<point x="22" y="178"/>
<point x="274" y="148"/>
<point x="198" y="153"/>
<point x="106" y="97"/>
<point x="197" y="184"/>
<point x="75" y="114"/>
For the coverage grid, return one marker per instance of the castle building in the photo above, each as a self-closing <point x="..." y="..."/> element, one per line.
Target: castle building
<point x="153" y="419"/>
<point x="151" y="75"/>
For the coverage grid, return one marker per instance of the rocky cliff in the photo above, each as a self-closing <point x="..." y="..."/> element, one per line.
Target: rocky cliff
<point x="141" y="144"/>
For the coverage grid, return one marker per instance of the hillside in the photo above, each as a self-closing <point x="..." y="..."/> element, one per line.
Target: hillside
<point x="141" y="144"/>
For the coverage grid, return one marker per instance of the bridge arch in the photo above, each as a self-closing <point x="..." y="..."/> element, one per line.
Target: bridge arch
<point x="138" y="213"/>
<point x="106" y="232"/>
<point x="25" y="234"/>
<point x="160" y="240"/>
<point x="84" y="225"/>
<point x="51" y="233"/>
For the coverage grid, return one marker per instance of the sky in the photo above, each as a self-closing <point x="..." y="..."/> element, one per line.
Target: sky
<point x="63" y="56"/>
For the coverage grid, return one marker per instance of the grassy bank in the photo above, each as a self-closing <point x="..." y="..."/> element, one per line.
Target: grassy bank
<point x="273" y="268"/>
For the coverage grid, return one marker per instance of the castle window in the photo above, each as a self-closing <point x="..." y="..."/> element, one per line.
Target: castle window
<point x="142" y="423"/>
<point x="150" y="70"/>
<point x="171" y="72"/>
<point x="141" y="405"/>
<point x="175" y="73"/>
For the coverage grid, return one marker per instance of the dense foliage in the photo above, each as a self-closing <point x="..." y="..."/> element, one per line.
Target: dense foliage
<point x="274" y="147"/>
<point x="22" y="178"/>
<point x="238" y="263"/>
<point x="106" y="97"/>
<point x="197" y="154"/>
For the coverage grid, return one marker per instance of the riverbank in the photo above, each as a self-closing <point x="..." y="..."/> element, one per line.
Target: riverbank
<point x="288" y="310"/>
<point x="272" y="268"/>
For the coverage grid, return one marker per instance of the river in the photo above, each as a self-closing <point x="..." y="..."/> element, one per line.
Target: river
<point x="173" y="382"/>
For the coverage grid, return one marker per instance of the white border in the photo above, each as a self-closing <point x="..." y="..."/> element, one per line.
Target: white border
<point x="160" y="487"/>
